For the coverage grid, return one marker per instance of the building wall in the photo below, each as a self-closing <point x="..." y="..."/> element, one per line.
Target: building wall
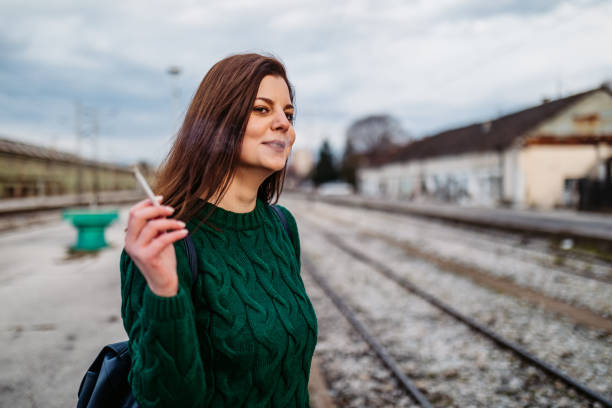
<point x="547" y="168"/>
<point x="540" y="170"/>
<point x="22" y="176"/>
<point x="537" y="176"/>
<point x="301" y="162"/>
<point x="467" y="179"/>
<point x="514" y="178"/>
<point x="592" y="116"/>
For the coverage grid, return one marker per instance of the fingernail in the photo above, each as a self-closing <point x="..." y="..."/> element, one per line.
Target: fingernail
<point x="169" y="208"/>
<point x="181" y="223"/>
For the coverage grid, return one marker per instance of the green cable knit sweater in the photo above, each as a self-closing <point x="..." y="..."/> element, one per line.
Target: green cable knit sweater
<point x="242" y="337"/>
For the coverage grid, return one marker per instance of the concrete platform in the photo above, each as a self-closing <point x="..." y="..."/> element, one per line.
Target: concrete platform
<point x="57" y="311"/>
<point x="564" y="223"/>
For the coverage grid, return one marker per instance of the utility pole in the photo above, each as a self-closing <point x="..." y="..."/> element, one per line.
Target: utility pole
<point x="174" y="71"/>
<point x="94" y="142"/>
<point x="79" y="136"/>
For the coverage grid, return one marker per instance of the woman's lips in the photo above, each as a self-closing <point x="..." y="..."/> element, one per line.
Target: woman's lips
<point x="276" y="145"/>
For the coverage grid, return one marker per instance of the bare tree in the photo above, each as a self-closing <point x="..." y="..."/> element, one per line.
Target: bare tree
<point x="375" y="134"/>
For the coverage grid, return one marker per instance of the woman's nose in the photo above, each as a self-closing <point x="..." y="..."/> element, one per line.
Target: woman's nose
<point x="280" y="121"/>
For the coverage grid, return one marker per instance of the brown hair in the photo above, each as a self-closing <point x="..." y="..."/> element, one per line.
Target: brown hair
<point x="204" y="156"/>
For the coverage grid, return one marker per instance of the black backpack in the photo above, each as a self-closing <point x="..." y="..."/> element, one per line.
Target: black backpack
<point x="105" y="383"/>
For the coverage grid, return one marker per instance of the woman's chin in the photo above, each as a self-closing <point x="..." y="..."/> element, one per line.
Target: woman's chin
<point x="275" y="165"/>
<point x="274" y="169"/>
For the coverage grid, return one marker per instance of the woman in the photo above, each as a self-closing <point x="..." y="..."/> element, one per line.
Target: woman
<point x="244" y="334"/>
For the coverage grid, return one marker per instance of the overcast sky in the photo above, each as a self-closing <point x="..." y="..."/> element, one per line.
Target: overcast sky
<point x="433" y="64"/>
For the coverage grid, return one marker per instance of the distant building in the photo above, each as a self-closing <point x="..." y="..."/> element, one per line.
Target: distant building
<point x="301" y="162"/>
<point x="299" y="167"/>
<point x="29" y="170"/>
<point x="536" y="157"/>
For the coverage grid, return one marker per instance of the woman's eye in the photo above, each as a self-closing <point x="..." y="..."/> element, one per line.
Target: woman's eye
<point x="289" y="116"/>
<point x="260" y="109"/>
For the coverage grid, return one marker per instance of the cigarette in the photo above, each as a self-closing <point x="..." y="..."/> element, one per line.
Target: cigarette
<point x="145" y="186"/>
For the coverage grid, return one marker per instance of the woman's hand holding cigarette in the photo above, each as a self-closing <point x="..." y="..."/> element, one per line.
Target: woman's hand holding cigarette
<point x="148" y="241"/>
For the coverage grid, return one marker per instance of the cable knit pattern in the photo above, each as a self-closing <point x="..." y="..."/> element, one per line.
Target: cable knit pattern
<point x="243" y="338"/>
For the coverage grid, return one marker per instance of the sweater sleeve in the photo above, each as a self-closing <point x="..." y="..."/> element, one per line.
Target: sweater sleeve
<point x="293" y="229"/>
<point x="167" y="369"/>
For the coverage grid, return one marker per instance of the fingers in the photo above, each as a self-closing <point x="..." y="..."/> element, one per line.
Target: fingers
<point x="157" y="227"/>
<point x="139" y="205"/>
<point x="162" y="241"/>
<point x="139" y="216"/>
<point x="145" y="203"/>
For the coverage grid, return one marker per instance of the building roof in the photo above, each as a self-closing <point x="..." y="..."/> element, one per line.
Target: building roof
<point x="12" y="147"/>
<point x="495" y="135"/>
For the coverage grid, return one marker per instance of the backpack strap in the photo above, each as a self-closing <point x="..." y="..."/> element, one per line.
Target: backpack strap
<point x="283" y="219"/>
<point x="192" y="257"/>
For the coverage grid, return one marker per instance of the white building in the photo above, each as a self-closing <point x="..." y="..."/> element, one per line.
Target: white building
<point x="530" y="158"/>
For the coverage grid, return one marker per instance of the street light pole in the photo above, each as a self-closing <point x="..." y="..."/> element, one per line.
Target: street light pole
<point x="95" y="144"/>
<point x="79" y="139"/>
<point x="175" y="71"/>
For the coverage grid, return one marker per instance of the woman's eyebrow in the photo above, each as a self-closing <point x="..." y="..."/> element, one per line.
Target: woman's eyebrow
<point x="271" y="102"/>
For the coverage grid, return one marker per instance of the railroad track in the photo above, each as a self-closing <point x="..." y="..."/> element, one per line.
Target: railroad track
<point x="16" y="206"/>
<point x="567" y="261"/>
<point x="499" y="267"/>
<point x="376" y="346"/>
<point x="587" y="229"/>
<point x="542" y="251"/>
<point x="572" y="261"/>
<point x="385" y="356"/>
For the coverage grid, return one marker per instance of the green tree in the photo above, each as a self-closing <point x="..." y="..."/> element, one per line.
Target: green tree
<point x="349" y="164"/>
<point x="325" y="169"/>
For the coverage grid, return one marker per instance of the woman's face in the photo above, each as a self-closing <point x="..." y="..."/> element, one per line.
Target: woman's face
<point x="269" y="132"/>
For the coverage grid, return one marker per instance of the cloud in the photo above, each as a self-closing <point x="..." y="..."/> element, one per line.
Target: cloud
<point x="483" y="9"/>
<point x="431" y="64"/>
